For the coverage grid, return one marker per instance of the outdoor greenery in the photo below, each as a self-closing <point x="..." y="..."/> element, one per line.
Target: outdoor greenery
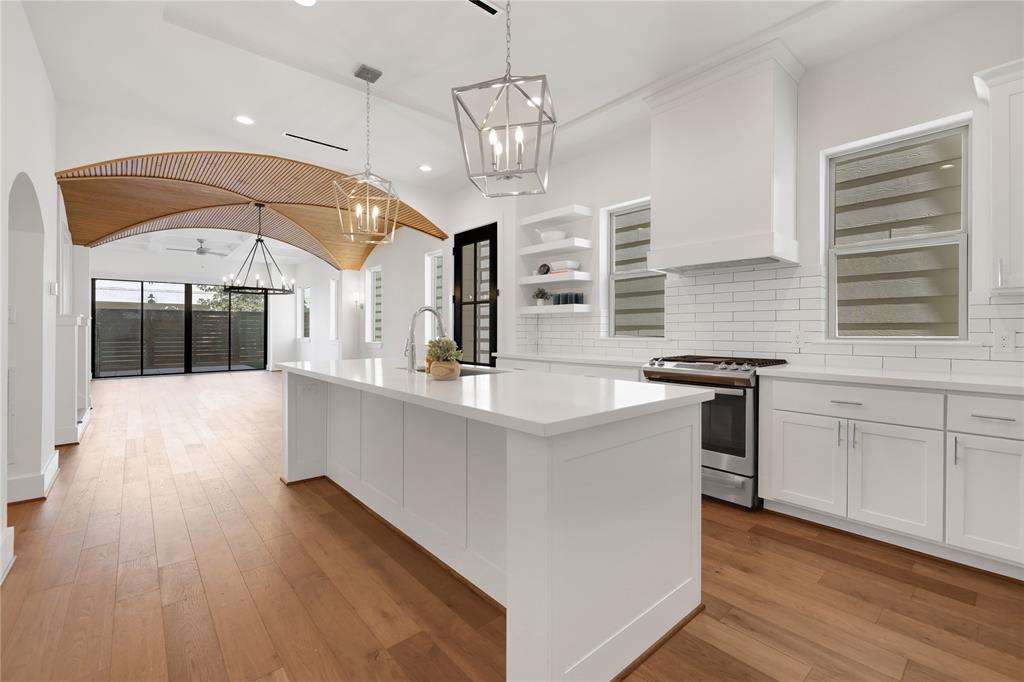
<point x="215" y="298"/>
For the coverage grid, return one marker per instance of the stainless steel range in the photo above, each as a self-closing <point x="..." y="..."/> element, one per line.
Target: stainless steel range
<point x="728" y="423"/>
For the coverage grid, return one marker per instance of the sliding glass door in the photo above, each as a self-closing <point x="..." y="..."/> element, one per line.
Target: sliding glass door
<point x="170" y="328"/>
<point x="117" y="328"/>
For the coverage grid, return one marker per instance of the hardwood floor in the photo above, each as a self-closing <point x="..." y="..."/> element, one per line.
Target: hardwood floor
<point x="169" y="549"/>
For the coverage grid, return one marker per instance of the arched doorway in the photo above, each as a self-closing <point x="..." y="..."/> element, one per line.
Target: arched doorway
<point x="31" y="460"/>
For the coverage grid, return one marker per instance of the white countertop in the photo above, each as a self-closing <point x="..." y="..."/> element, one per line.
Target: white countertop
<point x="944" y="381"/>
<point x="574" y="359"/>
<point x="534" y="402"/>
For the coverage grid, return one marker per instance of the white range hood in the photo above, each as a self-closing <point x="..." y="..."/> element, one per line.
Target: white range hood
<point x="723" y="164"/>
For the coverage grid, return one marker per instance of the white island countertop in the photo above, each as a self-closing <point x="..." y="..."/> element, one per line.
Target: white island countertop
<point x="1004" y="384"/>
<point x="533" y="402"/>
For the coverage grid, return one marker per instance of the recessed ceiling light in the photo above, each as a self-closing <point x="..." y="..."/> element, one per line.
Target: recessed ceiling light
<point x="425" y="168"/>
<point x="306" y="3"/>
<point x="244" y="120"/>
<point x="947" y="166"/>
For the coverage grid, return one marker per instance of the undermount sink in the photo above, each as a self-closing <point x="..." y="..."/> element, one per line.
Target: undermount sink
<point x="468" y="371"/>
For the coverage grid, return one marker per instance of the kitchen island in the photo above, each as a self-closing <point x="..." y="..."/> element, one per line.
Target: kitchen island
<point x="573" y="501"/>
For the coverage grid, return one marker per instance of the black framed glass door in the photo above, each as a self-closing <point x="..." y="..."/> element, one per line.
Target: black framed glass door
<point x="144" y="328"/>
<point x="476" y="294"/>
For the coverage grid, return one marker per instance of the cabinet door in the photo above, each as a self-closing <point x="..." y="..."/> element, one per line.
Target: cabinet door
<point x="985" y="495"/>
<point x="809" y="461"/>
<point x="896" y="478"/>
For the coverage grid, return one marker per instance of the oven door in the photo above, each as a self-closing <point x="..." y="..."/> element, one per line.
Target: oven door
<point x="727" y="431"/>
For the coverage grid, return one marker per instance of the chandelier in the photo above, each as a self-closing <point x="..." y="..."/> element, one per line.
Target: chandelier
<point x="238" y="282"/>
<point x="367" y="203"/>
<point x="507" y="129"/>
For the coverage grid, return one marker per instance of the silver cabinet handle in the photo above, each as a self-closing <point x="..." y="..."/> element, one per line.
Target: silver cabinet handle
<point x="992" y="416"/>
<point x="956" y="450"/>
<point x="853" y="441"/>
<point x="839" y="431"/>
<point x="846" y="402"/>
<point x="728" y="391"/>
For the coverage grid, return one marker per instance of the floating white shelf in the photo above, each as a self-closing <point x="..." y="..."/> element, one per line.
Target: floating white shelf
<point x="570" y="276"/>
<point x="554" y="309"/>
<point x="555" y="217"/>
<point x="560" y="246"/>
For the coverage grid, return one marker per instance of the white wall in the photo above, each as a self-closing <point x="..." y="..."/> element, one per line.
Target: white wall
<point x="28" y="130"/>
<point x="316" y="275"/>
<point x="906" y="80"/>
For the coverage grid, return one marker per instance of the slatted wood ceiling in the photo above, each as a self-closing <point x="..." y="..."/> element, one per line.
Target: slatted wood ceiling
<point x="119" y="198"/>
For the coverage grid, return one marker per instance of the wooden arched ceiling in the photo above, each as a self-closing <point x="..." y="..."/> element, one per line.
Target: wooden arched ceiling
<point x="120" y="198"/>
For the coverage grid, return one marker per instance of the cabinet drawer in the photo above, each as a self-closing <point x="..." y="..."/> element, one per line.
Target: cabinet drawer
<point x="523" y="365"/>
<point x="909" y="408"/>
<point x="626" y="373"/>
<point x="988" y="416"/>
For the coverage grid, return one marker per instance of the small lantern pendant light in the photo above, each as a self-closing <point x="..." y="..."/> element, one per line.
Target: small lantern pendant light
<point x="367" y="203"/>
<point x="238" y="283"/>
<point x="507" y="129"/>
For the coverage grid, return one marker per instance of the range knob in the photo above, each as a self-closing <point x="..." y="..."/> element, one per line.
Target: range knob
<point x="747" y="367"/>
<point x="653" y="362"/>
<point x="661" y="363"/>
<point x="721" y="365"/>
<point x="733" y="366"/>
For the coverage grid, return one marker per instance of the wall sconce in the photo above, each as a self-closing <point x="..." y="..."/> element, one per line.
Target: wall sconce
<point x="356" y="301"/>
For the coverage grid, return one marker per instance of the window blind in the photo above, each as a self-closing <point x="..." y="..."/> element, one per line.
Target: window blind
<point x="897" y="236"/>
<point x="638" y="295"/>
<point x="378" y="308"/>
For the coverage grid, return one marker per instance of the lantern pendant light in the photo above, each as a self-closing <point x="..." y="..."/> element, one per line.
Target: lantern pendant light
<point x="238" y="283"/>
<point x="507" y="129"/>
<point x="367" y="203"/>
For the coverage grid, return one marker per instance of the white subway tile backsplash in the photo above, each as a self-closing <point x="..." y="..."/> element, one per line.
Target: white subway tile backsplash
<point x="760" y="311"/>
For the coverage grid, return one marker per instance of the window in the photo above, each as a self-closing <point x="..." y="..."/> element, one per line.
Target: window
<point x="304" y="312"/>
<point x="374" y="305"/>
<point x="332" y="327"/>
<point x="637" y="294"/>
<point x="898" y="239"/>
<point x="173" y="328"/>
<point x="434" y="288"/>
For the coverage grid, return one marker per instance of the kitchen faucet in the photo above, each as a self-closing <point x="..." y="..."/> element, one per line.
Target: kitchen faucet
<point x="410" y="343"/>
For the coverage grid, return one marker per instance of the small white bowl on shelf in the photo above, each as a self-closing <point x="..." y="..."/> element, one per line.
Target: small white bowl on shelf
<point x="557" y="265"/>
<point x="547" y="236"/>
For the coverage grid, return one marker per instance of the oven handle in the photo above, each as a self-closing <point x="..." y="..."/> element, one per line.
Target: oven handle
<point x="728" y="391"/>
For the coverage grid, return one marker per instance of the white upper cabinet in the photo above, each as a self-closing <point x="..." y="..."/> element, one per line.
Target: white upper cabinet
<point x="985" y="495"/>
<point x="1003" y="88"/>
<point x="723" y="164"/>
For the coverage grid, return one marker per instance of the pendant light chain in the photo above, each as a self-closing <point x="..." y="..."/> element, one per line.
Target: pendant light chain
<point x="508" y="38"/>
<point x="366" y="167"/>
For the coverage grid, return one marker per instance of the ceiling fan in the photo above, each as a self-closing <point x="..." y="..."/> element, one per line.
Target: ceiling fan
<point x="200" y="251"/>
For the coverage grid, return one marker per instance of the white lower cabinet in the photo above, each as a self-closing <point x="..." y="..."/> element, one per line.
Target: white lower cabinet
<point x="895" y="478"/>
<point x="985" y="495"/>
<point x="809" y="461"/>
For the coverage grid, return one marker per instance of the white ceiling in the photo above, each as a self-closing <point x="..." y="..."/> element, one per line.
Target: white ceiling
<point x="235" y="244"/>
<point x="193" y="66"/>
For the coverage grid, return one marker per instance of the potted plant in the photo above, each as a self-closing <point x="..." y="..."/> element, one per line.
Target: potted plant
<point x="443" y="358"/>
<point x="541" y="296"/>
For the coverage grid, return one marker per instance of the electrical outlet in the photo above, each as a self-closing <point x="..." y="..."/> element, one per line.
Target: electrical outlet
<point x="1003" y="334"/>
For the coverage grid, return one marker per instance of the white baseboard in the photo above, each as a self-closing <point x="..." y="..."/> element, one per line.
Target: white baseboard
<point x="916" y="544"/>
<point x="71" y="435"/>
<point x="6" y="552"/>
<point x="34" y="486"/>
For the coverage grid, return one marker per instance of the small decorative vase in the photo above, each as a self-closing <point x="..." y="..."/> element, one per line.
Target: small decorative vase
<point x="541" y="301"/>
<point x="445" y="371"/>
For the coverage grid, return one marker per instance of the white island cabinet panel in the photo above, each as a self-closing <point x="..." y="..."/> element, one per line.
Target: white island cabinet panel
<point x="896" y="478"/>
<point x="435" y="470"/>
<point x="343" y="436"/>
<point x="486" y="479"/>
<point x="382" y="457"/>
<point x="574" y="501"/>
<point x="985" y="495"/>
